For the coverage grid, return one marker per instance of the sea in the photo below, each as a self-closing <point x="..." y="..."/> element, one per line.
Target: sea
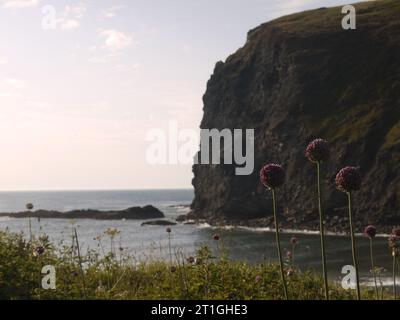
<point x="253" y="245"/>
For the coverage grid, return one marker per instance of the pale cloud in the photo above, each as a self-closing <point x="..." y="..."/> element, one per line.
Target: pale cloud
<point x="20" y="3"/>
<point x="72" y="15"/>
<point x="110" y="13"/>
<point x="77" y="11"/>
<point x="3" y="60"/>
<point x="69" y="24"/>
<point x="115" y="40"/>
<point x="10" y="87"/>
<point x="11" y="83"/>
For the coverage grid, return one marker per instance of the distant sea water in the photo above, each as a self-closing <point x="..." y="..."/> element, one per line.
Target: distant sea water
<point x="151" y="242"/>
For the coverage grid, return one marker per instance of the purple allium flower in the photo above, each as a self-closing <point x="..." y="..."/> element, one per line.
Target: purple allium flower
<point x="317" y="150"/>
<point x="294" y="241"/>
<point x="216" y="237"/>
<point x="173" y="269"/>
<point x="168" y="230"/>
<point x="39" y="250"/>
<point x="258" y="278"/>
<point x="370" y="231"/>
<point x="29" y="206"/>
<point x="396" y="232"/>
<point x="272" y="175"/>
<point x="348" y="179"/>
<point x="190" y="260"/>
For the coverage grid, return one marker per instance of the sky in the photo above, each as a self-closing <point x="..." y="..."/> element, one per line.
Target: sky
<point x="82" y="83"/>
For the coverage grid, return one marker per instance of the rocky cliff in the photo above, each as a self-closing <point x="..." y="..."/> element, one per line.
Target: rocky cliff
<point x="297" y="78"/>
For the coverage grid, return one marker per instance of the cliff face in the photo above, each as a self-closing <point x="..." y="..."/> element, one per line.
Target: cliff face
<point x="297" y="78"/>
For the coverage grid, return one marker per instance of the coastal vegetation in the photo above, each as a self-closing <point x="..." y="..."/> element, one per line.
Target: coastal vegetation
<point x="113" y="274"/>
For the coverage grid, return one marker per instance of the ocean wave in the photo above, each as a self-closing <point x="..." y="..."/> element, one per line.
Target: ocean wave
<point x="283" y="230"/>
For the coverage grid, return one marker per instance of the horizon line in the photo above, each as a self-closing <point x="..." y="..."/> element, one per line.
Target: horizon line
<point x="100" y="189"/>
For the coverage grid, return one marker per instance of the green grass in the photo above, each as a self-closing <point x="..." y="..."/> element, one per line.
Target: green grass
<point x="393" y="136"/>
<point x="360" y="118"/>
<point x="120" y="276"/>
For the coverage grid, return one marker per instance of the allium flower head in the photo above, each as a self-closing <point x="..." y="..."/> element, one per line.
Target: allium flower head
<point x="294" y="240"/>
<point x="348" y="179"/>
<point x="216" y="237"/>
<point x="258" y="278"/>
<point x="29" y="206"/>
<point x="272" y="175"/>
<point x="396" y="232"/>
<point x="191" y="260"/>
<point x="317" y="150"/>
<point x="168" y="230"/>
<point x="39" y="250"/>
<point x="370" y="231"/>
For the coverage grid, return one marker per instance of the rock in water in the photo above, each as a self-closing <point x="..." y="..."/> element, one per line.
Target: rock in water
<point x="159" y="223"/>
<point x="146" y="212"/>
<point x="298" y="78"/>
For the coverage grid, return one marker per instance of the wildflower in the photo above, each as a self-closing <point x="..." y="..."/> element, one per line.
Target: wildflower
<point x="29" y="206"/>
<point x="394" y="245"/>
<point x="294" y="241"/>
<point x="272" y="175"/>
<point x="39" y="250"/>
<point x="168" y="230"/>
<point x="317" y="150"/>
<point x="370" y="231"/>
<point x="396" y="232"/>
<point x="173" y="269"/>
<point x="348" y="179"/>
<point x="258" y="279"/>
<point x="112" y="232"/>
<point x="216" y="237"/>
<point x="190" y="260"/>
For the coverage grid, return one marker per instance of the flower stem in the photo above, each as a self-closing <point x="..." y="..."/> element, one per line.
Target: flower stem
<point x="30" y="230"/>
<point x="394" y="276"/>
<point x="80" y="263"/>
<point x="169" y="248"/>
<point x="373" y="268"/>
<point x="278" y="244"/>
<point x="321" y="231"/>
<point x="353" y="246"/>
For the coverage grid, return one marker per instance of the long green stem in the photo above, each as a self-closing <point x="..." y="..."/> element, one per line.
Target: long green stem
<point x="353" y="246"/>
<point x="169" y="248"/>
<point x="373" y="268"/>
<point x="394" y="276"/>
<point x="278" y="244"/>
<point x="30" y="230"/>
<point x="321" y="231"/>
<point x="80" y="263"/>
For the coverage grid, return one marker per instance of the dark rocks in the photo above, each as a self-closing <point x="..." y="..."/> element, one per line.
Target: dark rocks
<point x="147" y="212"/>
<point x="298" y="78"/>
<point x="159" y="223"/>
